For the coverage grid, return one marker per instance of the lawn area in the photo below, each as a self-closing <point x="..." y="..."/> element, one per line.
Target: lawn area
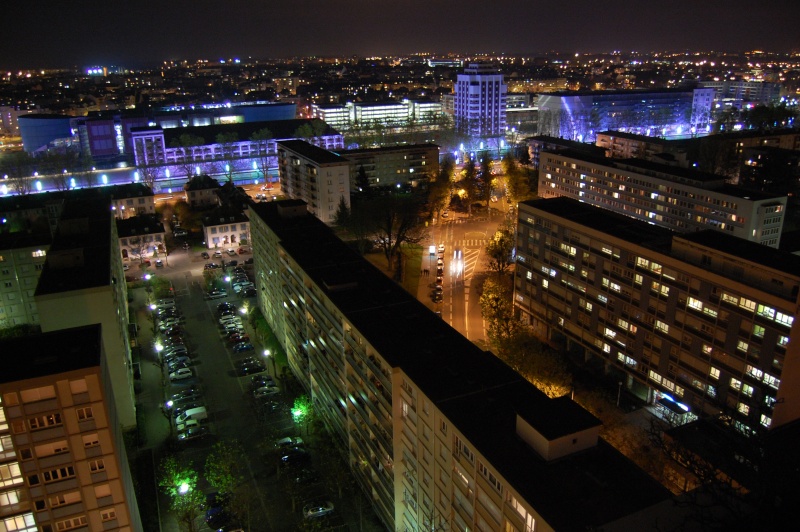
<point x="412" y="263"/>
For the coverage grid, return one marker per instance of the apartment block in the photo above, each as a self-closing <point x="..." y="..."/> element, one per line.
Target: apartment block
<point x="437" y="433"/>
<point x="680" y="199"/>
<point x="63" y="464"/>
<point x="699" y="322"/>
<point x="82" y="283"/>
<point x="394" y="165"/>
<point x="319" y="177"/>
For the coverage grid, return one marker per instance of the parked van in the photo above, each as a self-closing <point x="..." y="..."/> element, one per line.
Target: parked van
<point x="198" y="414"/>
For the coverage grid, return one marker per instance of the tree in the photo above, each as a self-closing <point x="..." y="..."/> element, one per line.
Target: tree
<point x="497" y="309"/>
<point x="18" y="166"/>
<point x="186" y="143"/>
<point x="342" y="215"/>
<point x="499" y="251"/>
<point x="362" y="182"/>
<point x="484" y="178"/>
<point x="227" y="142"/>
<point x="224" y="467"/>
<point x="303" y="412"/>
<point x="263" y="154"/>
<point x="148" y="173"/>
<point x="178" y="480"/>
<point x="469" y="183"/>
<point x="397" y="221"/>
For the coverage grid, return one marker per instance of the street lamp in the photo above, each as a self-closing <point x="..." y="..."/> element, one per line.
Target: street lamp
<point x="619" y="393"/>
<point x="268" y="355"/>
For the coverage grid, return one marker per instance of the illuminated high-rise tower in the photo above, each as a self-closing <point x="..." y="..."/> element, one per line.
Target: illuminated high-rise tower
<point x="480" y="101"/>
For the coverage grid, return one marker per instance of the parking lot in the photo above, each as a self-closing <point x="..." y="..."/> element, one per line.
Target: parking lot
<point x="223" y="388"/>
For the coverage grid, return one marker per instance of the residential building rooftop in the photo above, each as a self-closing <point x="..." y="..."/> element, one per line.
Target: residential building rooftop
<point x="312" y="152"/>
<point x="50" y="353"/>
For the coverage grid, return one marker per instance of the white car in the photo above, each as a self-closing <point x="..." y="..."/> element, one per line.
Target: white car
<point x="317" y="509"/>
<point x="240" y="287"/>
<point x="285" y="443"/>
<point x="217" y="254"/>
<point x="266" y="391"/>
<point x="225" y="320"/>
<point x="181" y="374"/>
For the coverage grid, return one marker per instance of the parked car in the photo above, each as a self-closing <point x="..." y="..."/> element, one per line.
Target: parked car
<point x="441" y="248"/>
<point x="159" y="263"/>
<point x="242" y="347"/>
<point x="239" y="288"/>
<point x="261" y="380"/>
<point x="177" y="358"/>
<point x="192" y="433"/>
<point x="250" y="369"/>
<point x="217" y="254"/>
<point x="249" y="292"/>
<point x="217" y="293"/>
<point x="266" y="391"/>
<point x="249" y="261"/>
<point x="237" y="338"/>
<point x="295" y="456"/>
<point x="181" y="374"/>
<point x="231" y="252"/>
<point x="189" y="399"/>
<point x="180" y="233"/>
<point x="186" y="392"/>
<point x="242" y="251"/>
<point x="317" y="509"/>
<point x="211" y="266"/>
<point x="177" y="410"/>
<point x="288" y="442"/>
<point x="205" y="255"/>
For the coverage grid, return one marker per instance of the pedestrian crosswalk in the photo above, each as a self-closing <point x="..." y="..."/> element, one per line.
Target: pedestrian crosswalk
<point x="472" y="243"/>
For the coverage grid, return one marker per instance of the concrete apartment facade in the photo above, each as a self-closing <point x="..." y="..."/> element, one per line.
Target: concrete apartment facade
<point x="394" y="165"/>
<point x="437" y="433"/>
<point x="701" y="319"/>
<point x="21" y="262"/>
<point x="62" y="457"/>
<point x="319" y="177"/>
<point x="680" y="199"/>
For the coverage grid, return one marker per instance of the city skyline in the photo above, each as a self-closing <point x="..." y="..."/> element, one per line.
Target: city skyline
<point x="148" y="32"/>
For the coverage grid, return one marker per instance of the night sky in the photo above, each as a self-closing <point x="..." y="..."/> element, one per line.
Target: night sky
<point x="37" y="33"/>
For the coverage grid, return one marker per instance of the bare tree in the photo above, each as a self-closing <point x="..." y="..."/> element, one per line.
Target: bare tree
<point x="397" y="221"/>
<point x="16" y="168"/>
<point x="186" y="144"/>
<point x="262" y="138"/>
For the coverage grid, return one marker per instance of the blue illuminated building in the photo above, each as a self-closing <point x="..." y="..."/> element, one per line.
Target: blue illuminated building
<point x="661" y="113"/>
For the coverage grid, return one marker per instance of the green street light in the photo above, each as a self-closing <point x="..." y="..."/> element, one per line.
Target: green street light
<point x="184" y="488"/>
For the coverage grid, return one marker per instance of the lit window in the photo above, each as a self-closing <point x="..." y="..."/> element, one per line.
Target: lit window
<point x="714" y="373"/>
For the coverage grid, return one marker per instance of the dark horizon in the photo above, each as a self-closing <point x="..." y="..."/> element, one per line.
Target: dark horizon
<point x="150" y="32"/>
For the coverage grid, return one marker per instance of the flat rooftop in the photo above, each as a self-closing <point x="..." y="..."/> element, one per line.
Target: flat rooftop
<point x="280" y="129"/>
<point x="84" y="231"/>
<point x="50" y="353"/>
<point x="312" y="152"/>
<point x="660" y="239"/>
<point x="473" y="388"/>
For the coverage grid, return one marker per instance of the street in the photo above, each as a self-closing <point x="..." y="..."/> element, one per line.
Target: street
<point x="465" y="266"/>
